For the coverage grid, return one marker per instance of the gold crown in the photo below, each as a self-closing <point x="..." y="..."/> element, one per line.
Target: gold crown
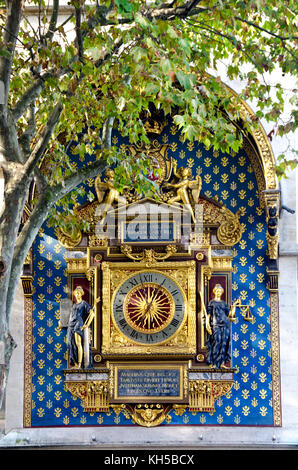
<point x="153" y="126"/>
<point x="154" y="121"/>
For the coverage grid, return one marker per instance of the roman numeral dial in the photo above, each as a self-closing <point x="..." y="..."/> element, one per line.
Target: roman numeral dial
<point x="149" y="308"/>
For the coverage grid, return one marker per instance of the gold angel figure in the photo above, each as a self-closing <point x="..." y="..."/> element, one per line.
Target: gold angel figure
<point x="182" y="187"/>
<point x="106" y="192"/>
<point x="149" y="415"/>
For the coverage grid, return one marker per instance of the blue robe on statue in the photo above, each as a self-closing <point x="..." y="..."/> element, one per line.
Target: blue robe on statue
<point x="219" y="343"/>
<point x="78" y="316"/>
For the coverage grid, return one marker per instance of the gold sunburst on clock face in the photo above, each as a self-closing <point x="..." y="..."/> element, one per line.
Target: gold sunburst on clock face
<point x="149" y="307"/>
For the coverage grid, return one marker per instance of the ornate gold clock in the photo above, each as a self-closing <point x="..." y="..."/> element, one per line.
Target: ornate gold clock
<point x="151" y="276"/>
<point x="149" y="309"/>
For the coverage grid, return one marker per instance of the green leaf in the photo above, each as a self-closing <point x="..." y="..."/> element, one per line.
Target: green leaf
<point x="191" y="132"/>
<point x="184" y="80"/>
<point x="94" y="52"/>
<point x="141" y="20"/>
<point x="139" y="54"/>
<point x="152" y="89"/>
<point x="179" y="120"/>
<point x="166" y="66"/>
<point x="124" y="6"/>
<point x="185" y="45"/>
<point x="5" y="53"/>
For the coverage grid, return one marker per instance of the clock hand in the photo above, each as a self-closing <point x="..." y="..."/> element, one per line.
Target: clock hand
<point x="156" y="291"/>
<point x="154" y="296"/>
<point x="144" y="291"/>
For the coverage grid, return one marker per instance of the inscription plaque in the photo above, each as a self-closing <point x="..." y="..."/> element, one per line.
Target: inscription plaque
<point x="144" y="383"/>
<point x="151" y="383"/>
<point x="153" y="231"/>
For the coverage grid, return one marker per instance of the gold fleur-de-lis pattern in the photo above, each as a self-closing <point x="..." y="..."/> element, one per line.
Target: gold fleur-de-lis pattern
<point x="230" y="179"/>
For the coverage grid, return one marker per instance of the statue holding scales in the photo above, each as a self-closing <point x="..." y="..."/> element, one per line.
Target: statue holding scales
<point x="218" y="318"/>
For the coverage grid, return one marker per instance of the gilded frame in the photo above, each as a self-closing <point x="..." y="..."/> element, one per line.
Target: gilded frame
<point x="184" y="274"/>
<point x="182" y="367"/>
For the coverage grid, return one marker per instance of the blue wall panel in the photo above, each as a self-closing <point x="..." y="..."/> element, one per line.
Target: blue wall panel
<point x="232" y="180"/>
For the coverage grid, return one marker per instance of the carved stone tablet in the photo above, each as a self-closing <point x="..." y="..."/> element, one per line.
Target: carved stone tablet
<point x="65" y="310"/>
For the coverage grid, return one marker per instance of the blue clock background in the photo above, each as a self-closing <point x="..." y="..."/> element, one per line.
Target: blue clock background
<point x="231" y="179"/>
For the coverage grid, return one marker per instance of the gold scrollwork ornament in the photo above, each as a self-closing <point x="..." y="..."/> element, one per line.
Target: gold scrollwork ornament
<point x="69" y="237"/>
<point x="230" y="230"/>
<point x="157" y="153"/>
<point x="148" y="255"/>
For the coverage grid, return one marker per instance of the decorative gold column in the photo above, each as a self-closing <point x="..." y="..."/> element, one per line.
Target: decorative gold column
<point x="272" y="207"/>
<point x="204" y="393"/>
<point x="94" y="394"/>
<point x="27" y="283"/>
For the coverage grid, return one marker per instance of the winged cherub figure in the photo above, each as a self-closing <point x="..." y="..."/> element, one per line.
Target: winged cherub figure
<point x="182" y="187"/>
<point x="106" y="193"/>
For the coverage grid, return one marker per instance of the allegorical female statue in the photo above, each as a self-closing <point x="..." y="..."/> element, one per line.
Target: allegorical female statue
<point x="218" y="326"/>
<point x="78" y="344"/>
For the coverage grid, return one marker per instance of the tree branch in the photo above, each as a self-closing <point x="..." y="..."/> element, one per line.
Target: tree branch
<point x="106" y="137"/>
<point x="28" y="97"/>
<point x="43" y="140"/>
<point x="49" y="196"/>
<point x="190" y="8"/>
<point x="10" y="35"/>
<point x="233" y="40"/>
<point x="79" y="38"/>
<point x="25" y="138"/>
<point x="47" y="199"/>
<point x="251" y="23"/>
<point x="9" y="146"/>
<point x="53" y="20"/>
<point x="64" y="22"/>
<point x="40" y="179"/>
<point x="38" y="85"/>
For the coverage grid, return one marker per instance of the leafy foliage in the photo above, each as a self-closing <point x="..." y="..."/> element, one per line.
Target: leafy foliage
<point x="108" y="61"/>
<point x="103" y="64"/>
<point x="149" y="52"/>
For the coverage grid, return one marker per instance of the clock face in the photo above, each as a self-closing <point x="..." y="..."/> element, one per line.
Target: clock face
<point x="149" y="307"/>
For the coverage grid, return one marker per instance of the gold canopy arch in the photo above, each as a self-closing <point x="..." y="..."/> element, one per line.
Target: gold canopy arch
<point x="258" y="139"/>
